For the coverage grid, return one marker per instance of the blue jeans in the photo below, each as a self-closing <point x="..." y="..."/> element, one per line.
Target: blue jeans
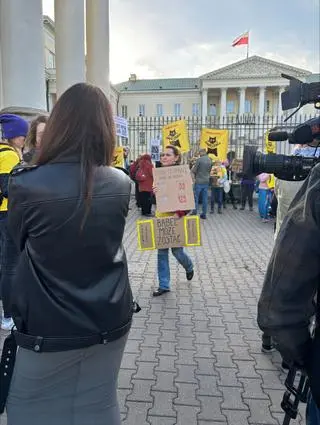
<point x="263" y="203"/>
<point x="216" y="195"/>
<point x="201" y="189"/>
<point x="312" y="412"/>
<point x="163" y="264"/>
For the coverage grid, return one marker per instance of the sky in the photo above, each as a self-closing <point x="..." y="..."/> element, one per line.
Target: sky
<point x="188" y="38"/>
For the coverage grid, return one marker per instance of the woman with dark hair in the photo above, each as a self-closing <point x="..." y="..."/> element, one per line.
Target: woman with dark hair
<point x="72" y="301"/>
<point x="170" y="157"/>
<point x="34" y="137"/>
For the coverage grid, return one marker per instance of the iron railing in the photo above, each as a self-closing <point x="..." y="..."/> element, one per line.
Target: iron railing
<point x="246" y="129"/>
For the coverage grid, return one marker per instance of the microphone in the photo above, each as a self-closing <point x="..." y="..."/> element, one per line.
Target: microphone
<point x="278" y="136"/>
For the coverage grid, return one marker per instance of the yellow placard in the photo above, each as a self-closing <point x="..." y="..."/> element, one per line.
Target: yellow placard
<point x="176" y="134"/>
<point x="168" y="232"/>
<point x="118" y="157"/>
<point x="215" y="142"/>
<point x="271" y="147"/>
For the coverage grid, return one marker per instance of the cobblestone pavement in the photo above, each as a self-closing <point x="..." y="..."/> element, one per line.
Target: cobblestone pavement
<point x="193" y="356"/>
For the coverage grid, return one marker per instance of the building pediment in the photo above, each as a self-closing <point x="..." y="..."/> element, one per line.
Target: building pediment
<point x="254" y="67"/>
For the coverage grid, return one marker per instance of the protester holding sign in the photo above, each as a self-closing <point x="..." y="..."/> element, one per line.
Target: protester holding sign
<point x="171" y="156"/>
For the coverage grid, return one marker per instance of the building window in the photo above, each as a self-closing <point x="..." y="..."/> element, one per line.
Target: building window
<point x="159" y="110"/>
<point x="267" y="106"/>
<point x="177" y="109"/>
<point x="248" y="107"/>
<point x="230" y="107"/>
<point x="51" y="60"/>
<point x="124" y="111"/>
<point x="212" y="109"/>
<point x="142" y="110"/>
<point x="195" y="109"/>
<point x="142" y="138"/>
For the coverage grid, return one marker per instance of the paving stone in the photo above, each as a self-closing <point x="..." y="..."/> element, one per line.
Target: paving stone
<point x="151" y="341"/>
<point x="237" y="417"/>
<point x="253" y="389"/>
<point x="225" y="360"/>
<point x="246" y="369"/>
<point x="228" y="377"/>
<point x="122" y="397"/>
<point x="208" y="386"/>
<point x="270" y="379"/>
<point x="210" y="408"/>
<point x="148" y="354"/>
<point x="168" y="335"/>
<point x="232" y="398"/>
<point x="166" y="364"/>
<point x="186" y="415"/>
<point x="260" y="412"/>
<point x="137" y="413"/>
<point x="186" y="373"/>
<point x="145" y="371"/>
<point x="125" y="378"/>
<point x="141" y="391"/>
<point x="129" y="361"/>
<point x="163" y="404"/>
<point x="205" y="366"/>
<point x="185" y="343"/>
<point x="165" y="382"/>
<point x="161" y="420"/>
<point x="186" y="357"/>
<point x="276" y="397"/>
<point x="187" y="394"/>
<point x="167" y="349"/>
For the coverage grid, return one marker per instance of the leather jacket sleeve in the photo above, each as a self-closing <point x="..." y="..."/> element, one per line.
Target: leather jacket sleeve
<point x="286" y="302"/>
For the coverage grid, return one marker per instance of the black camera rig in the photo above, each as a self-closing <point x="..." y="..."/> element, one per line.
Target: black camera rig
<point x="285" y="167"/>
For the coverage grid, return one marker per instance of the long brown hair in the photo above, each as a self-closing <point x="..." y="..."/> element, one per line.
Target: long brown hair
<point x="176" y="152"/>
<point x="31" y="139"/>
<point x="81" y="125"/>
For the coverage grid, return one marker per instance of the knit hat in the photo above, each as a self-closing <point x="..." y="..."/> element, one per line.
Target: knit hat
<point x="13" y="126"/>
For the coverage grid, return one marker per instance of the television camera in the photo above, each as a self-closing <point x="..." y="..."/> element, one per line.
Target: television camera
<point x="285" y="167"/>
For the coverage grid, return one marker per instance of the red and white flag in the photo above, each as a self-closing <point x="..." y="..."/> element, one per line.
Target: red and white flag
<point x="241" y="40"/>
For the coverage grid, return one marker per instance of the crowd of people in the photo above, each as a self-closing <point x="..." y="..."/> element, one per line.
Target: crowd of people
<point x="64" y="277"/>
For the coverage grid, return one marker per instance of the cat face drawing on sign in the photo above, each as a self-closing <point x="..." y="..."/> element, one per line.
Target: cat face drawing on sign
<point x="173" y="138"/>
<point x="212" y="146"/>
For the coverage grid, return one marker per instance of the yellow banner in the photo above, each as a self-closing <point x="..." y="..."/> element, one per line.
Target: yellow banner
<point x="271" y="147"/>
<point x="118" y="157"/>
<point x="215" y="142"/>
<point x="176" y="134"/>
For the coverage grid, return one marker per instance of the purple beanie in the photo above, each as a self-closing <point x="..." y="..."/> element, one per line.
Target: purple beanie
<point x="13" y="126"/>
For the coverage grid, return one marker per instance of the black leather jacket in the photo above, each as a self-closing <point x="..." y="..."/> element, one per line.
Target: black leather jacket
<point x="69" y="281"/>
<point x="291" y="283"/>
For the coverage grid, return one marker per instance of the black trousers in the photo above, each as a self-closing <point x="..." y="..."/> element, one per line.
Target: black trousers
<point x="145" y="202"/>
<point x="9" y="259"/>
<point x="229" y="195"/>
<point x="136" y="194"/>
<point x="247" y="194"/>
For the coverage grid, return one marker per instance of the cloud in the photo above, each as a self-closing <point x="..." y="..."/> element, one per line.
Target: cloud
<point x="175" y="38"/>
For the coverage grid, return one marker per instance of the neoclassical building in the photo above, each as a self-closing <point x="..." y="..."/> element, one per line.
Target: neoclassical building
<point x="55" y="59"/>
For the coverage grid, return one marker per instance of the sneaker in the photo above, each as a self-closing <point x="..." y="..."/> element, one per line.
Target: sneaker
<point x="7" y="324"/>
<point x="242" y="209"/>
<point x="219" y="211"/>
<point x="190" y="275"/>
<point x="267" y="348"/>
<point x="158" y="292"/>
<point x="212" y="212"/>
<point x="235" y="207"/>
<point x="251" y="209"/>
<point x="193" y="212"/>
<point x="203" y="216"/>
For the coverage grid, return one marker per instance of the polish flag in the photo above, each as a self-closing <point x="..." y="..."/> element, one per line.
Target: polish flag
<point x="242" y="39"/>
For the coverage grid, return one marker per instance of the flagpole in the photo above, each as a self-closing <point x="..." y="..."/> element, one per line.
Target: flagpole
<point x="248" y="45"/>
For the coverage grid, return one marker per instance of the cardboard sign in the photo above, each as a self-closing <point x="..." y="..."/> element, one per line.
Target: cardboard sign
<point x="168" y="232"/>
<point x="215" y="142"/>
<point x="118" y="157"/>
<point x="121" y="127"/>
<point x="175" y="188"/>
<point x="176" y="134"/>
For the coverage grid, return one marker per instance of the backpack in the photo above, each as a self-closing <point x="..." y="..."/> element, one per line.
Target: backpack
<point x="4" y="150"/>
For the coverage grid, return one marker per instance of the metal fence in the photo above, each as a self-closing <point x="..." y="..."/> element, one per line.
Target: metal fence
<point x="242" y="130"/>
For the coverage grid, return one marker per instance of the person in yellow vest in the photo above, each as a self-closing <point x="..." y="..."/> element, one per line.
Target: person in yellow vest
<point x="14" y="131"/>
<point x="171" y="156"/>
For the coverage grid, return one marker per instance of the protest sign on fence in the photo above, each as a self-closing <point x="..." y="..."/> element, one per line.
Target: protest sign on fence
<point x="174" y="188"/>
<point x="121" y="127"/>
<point x="168" y="232"/>
<point x="176" y="134"/>
<point x="155" y="145"/>
<point x="215" y="142"/>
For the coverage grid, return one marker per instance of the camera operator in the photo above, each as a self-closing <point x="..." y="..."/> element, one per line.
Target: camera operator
<point x="286" y="304"/>
<point x="285" y="191"/>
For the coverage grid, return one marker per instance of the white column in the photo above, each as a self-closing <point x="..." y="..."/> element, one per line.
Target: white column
<point x="204" y="107"/>
<point x="69" y="33"/>
<point x="22" y="51"/>
<point x="280" y="112"/>
<point x="262" y="95"/>
<point x="242" y="100"/>
<point x="98" y="46"/>
<point x="1" y="92"/>
<point x="223" y="103"/>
